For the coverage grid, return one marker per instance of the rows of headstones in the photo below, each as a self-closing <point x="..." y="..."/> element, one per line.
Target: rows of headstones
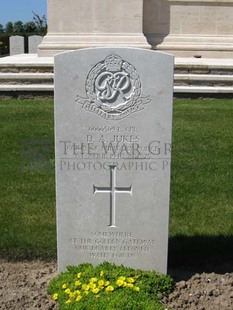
<point x="17" y="44"/>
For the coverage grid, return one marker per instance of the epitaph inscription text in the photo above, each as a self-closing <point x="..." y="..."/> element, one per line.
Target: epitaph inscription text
<point x="109" y="245"/>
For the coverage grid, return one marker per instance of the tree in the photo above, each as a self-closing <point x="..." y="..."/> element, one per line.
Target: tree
<point x="30" y="27"/>
<point x="1" y="28"/>
<point x="9" y="28"/>
<point x="41" y="23"/>
<point x="18" y="27"/>
<point x="37" y="26"/>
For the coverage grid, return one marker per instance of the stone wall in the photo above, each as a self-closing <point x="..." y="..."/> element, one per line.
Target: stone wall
<point x="75" y="24"/>
<point x="184" y="28"/>
<point x="190" y="28"/>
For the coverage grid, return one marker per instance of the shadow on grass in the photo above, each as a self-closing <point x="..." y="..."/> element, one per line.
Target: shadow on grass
<point x="19" y="254"/>
<point x="200" y="254"/>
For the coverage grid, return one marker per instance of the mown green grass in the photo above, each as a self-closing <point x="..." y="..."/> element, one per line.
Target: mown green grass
<point x="27" y="191"/>
<point x="202" y="168"/>
<point x="201" y="187"/>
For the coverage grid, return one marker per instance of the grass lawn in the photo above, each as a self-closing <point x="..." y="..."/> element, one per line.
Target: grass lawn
<point x="201" y="189"/>
<point x="202" y="168"/>
<point x="201" y="214"/>
<point x="27" y="189"/>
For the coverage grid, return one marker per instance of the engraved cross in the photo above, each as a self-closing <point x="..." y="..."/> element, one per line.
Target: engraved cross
<point x="113" y="190"/>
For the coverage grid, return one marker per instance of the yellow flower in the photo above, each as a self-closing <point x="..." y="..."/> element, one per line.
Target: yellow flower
<point x="136" y="288"/>
<point x="101" y="283"/>
<point x="85" y="287"/>
<point x="86" y="292"/>
<point x="79" y="275"/>
<point x="95" y="291"/>
<point x="110" y="288"/>
<point x="92" y="285"/>
<point x="107" y="283"/>
<point x="64" y="286"/>
<point x="71" y="295"/>
<point x="77" y="283"/>
<point x="119" y="282"/>
<point x="77" y="292"/>
<point x="68" y="301"/>
<point x="67" y="291"/>
<point x="78" y="298"/>
<point x="130" y="280"/>
<point x="93" y="279"/>
<point x="101" y="273"/>
<point x="55" y="296"/>
<point x="129" y="285"/>
<point x="122" y="278"/>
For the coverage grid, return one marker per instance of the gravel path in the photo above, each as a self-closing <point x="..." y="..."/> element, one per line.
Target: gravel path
<point x="23" y="286"/>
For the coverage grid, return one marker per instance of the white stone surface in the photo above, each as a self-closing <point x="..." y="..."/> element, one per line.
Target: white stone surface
<point x="204" y="89"/>
<point x="16" y="45"/>
<point x="203" y="77"/>
<point x="188" y="28"/>
<point x="26" y="76"/>
<point x="113" y="153"/>
<point x="181" y="27"/>
<point x="33" y="42"/>
<point x="26" y="87"/>
<point x="26" y="59"/>
<point x="76" y="24"/>
<point x="32" y="59"/>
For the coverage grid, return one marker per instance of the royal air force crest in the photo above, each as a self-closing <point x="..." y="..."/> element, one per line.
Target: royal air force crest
<point x="113" y="89"/>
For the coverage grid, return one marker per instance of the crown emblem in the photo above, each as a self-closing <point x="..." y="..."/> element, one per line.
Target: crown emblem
<point x="113" y="62"/>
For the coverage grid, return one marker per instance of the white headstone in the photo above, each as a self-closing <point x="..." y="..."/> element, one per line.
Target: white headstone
<point x="113" y="153"/>
<point x="33" y="42"/>
<point x="16" y="45"/>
